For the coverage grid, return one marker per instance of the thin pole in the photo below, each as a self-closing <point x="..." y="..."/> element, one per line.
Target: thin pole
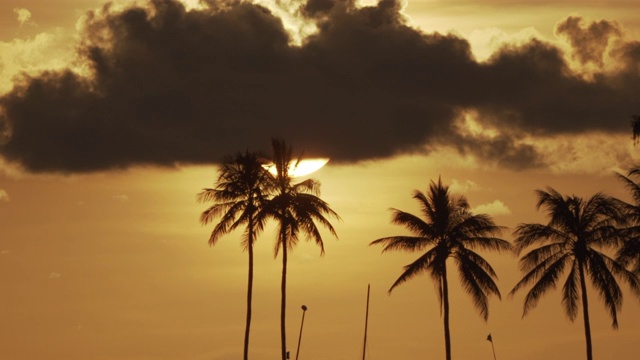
<point x="490" y="339"/>
<point x="494" y="351"/>
<point x="366" y="324"/>
<point x="304" y="310"/>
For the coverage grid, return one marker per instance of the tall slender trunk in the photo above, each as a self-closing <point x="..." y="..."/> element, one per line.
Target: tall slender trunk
<point x="445" y="306"/>
<point x="249" y="292"/>
<point x="283" y="289"/>
<point x="366" y="324"/>
<point x="585" y="312"/>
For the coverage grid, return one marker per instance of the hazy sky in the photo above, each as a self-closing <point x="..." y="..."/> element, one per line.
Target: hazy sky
<point x="113" y="117"/>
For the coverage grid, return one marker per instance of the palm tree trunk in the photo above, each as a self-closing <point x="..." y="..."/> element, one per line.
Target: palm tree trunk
<point x="585" y="312"/>
<point x="283" y="289"/>
<point x="249" y="293"/>
<point x="445" y="306"/>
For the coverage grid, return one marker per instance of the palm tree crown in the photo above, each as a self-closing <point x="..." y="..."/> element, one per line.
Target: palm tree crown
<point x="573" y="241"/>
<point x="242" y="188"/>
<point x="296" y="206"/>
<point x="449" y="230"/>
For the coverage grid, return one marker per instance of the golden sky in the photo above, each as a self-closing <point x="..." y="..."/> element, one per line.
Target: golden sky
<point x="112" y="120"/>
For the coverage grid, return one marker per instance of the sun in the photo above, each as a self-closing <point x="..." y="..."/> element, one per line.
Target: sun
<point x="302" y="168"/>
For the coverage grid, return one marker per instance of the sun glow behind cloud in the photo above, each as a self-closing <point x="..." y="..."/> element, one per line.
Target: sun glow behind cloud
<point x="301" y="168"/>
<point x="193" y="4"/>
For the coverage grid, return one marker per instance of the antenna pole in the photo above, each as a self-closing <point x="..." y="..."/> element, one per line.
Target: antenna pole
<point x="494" y="351"/>
<point x="304" y="310"/>
<point x="366" y="324"/>
<point x="490" y="339"/>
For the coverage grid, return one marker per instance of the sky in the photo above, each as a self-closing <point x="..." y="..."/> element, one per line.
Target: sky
<point x="113" y="116"/>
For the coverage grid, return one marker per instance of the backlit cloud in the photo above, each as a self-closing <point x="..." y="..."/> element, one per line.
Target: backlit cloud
<point x="589" y="43"/>
<point x="121" y="198"/>
<point x="486" y="42"/>
<point x="24" y="15"/>
<point x="463" y="187"/>
<point x="4" y="196"/>
<point x="42" y="52"/>
<point x="494" y="208"/>
<point x="175" y="86"/>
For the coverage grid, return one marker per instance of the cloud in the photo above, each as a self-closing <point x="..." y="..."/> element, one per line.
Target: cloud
<point x="4" y="196"/>
<point x="121" y="198"/>
<point x="170" y="86"/>
<point x="486" y="42"/>
<point x="576" y="155"/>
<point x="494" y="208"/>
<point x="463" y="187"/>
<point x="24" y="15"/>
<point x="589" y="43"/>
<point x="42" y="52"/>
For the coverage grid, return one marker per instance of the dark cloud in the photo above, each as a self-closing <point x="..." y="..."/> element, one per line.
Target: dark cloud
<point x="174" y="86"/>
<point x="532" y="89"/>
<point x="503" y="150"/>
<point x="314" y="8"/>
<point x="589" y="43"/>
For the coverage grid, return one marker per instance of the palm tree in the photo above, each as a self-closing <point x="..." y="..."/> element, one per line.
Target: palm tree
<point x="242" y="188"/>
<point x="629" y="253"/>
<point x="296" y="208"/>
<point x="449" y="230"/>
<point x="573" y="241"/>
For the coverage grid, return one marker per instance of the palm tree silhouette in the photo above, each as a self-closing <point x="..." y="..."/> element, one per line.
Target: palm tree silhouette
<point x="629" y="253"/>
<point x="242" y="188"/>
<point x="572" y="241"/>
<point x="449" y="230"/>
<point x="296" y="208"/>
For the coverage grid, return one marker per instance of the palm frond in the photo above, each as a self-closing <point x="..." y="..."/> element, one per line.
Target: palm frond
<point x="406" y="243"/>
<point x="426" y="262"/>
<point x="476" y="280"/>
<point x="535" y="271"/>
<point x="629" y="253"/>
<point x="412" y="223"/>
<point x="632" y="186"/>
<point x="618" y="269"/>
<point x="310" y="186"/>
<point x="530" y="234"/>
<point x="487" y="243"/>
<point x="206" y="195"/>
<point x="547" y="281"/>
<point x="426" y="207"/>
<point x="606" y="236"/>
<point x="536" y="256"/>
<point x="605" y="284"/>
<point x="212" y="212"/>
<point x="570" y="292"/>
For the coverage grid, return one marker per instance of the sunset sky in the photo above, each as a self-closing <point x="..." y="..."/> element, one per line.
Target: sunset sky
<point x="113" y="117"/>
